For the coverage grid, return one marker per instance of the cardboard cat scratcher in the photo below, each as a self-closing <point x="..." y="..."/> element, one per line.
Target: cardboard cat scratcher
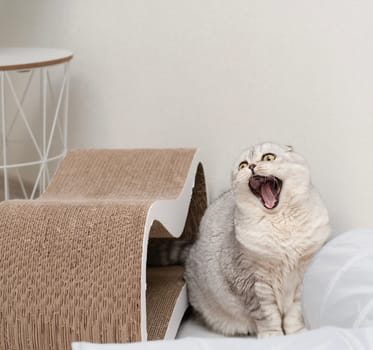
<point x="73" y="262"/>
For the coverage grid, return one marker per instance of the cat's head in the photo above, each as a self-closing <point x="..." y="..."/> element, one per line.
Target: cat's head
<point x="270" y="177"/>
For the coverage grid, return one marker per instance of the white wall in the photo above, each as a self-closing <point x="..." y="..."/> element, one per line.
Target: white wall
<point x="220" y="75"/>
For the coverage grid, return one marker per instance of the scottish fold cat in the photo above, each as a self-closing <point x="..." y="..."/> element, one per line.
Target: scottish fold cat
<point x="244" y="273"/>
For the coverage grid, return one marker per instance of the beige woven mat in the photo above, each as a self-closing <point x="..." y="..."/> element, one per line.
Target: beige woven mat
<point x="71" y="261"/>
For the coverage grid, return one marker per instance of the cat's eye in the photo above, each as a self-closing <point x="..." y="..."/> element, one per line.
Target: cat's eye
<point x="268" y="157"/>
<point x="243" y="164"/>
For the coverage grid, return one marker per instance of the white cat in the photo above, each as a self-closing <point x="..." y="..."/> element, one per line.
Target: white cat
<point x="244" y="273"/>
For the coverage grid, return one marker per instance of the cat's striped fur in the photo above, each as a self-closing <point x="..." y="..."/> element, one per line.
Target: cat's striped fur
<point x="244" y="274"/>
<point x="167" y="251"/>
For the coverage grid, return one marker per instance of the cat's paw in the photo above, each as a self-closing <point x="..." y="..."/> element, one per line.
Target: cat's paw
<point x="293" y="320"/>
<point x="294" y="328"/>
<point x="263" y="335"/>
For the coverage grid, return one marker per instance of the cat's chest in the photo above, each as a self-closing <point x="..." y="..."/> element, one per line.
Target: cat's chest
<point x="286" y="223"/>
<point x="275" y="233"/>
<point x="272" y="236"/>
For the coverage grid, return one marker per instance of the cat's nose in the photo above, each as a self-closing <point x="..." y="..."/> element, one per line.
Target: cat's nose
<point x="252" y="167"/>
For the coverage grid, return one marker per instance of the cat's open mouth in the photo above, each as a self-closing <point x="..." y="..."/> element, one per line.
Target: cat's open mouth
<point x="266" y="188"/>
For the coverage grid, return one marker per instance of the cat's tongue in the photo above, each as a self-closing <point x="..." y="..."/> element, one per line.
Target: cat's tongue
<point x="268" y="196"/>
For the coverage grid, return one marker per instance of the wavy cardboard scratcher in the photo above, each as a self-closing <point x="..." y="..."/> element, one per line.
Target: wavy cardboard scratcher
<point x="73" y="262"/>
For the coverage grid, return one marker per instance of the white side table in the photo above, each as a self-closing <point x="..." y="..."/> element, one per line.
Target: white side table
<point x="33" y="117"/>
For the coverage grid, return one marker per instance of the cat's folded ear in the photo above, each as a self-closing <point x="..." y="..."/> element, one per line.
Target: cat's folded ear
<point x="289" y="148"/>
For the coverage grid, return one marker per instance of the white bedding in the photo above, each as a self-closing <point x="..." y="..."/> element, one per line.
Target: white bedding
<point x="338" y="285"/>
<point x="338" y="291"/>
<point x="327" y="338"/>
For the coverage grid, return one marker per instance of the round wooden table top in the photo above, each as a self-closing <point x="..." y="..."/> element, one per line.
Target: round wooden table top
<point x="28" y="58"/>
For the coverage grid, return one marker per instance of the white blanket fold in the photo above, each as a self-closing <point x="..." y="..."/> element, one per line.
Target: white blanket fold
<point x="328" y="338"/>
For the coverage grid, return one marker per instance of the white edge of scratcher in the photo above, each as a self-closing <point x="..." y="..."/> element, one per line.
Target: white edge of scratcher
<point x="177" y="315"/>
<point x="172" y="214"/>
